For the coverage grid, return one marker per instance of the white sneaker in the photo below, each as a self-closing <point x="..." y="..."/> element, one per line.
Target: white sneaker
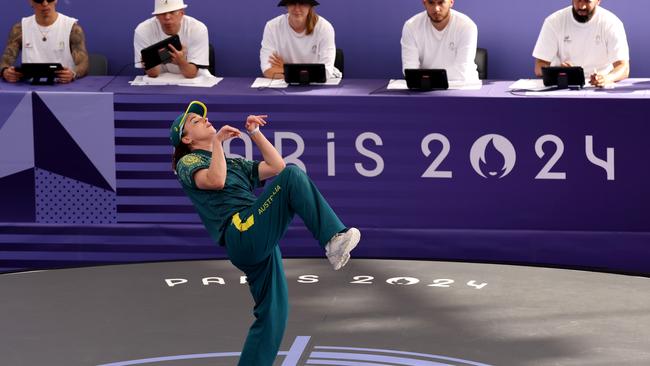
<point x="339" y="247"/>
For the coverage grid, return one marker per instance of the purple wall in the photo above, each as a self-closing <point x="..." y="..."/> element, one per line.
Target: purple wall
<point x="368" y="32"/>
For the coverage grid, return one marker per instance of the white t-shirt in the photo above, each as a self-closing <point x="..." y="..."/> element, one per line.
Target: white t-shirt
<point x="594" y="45"/>
<point x="57" y="46"/>
<point x="318" y="47"/>
<point x="193" y="35"/>
<point x="452" y="49"/>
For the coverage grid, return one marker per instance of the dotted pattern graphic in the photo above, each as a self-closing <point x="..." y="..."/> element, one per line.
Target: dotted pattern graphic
<point x="61" y="200"/>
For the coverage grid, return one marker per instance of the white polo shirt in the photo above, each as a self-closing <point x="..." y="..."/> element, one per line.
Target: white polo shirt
<point x="193" y="35"/>
<point x="452" y="49"/>
<point x="56" y="47"/>
<point x="318" y="47"/>
<point x="594" y="45"/>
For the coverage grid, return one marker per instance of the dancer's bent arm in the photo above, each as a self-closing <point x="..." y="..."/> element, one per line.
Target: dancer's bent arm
<point x="273" y="163"/>
<point x="214" y="178"/>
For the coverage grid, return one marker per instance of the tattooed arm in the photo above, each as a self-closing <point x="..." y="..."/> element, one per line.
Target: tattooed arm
<point x="79" y="56"/>
<point x="14" y="45"/>
<point x="78" y="49"/>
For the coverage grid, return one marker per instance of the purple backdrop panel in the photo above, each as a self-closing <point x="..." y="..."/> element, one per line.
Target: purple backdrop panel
<point x="16" y="133"/>
<point x="482" y="175"/>
<point x="422" y="163"/>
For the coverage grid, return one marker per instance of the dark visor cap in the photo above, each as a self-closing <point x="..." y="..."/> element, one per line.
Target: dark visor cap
<point x="289" y="2"/>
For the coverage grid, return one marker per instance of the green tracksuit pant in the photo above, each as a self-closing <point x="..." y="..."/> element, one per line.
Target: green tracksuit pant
<point x="252" y="244"/>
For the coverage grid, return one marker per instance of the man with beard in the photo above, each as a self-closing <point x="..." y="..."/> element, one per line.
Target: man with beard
<point x="169" y="19"/>
<point x="585" y="35"/>
<point x="441" y="38"/>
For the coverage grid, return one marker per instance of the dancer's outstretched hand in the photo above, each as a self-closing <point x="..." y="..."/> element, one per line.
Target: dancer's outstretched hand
<point x="226" y="133"/>
<point x="252" y="122"/>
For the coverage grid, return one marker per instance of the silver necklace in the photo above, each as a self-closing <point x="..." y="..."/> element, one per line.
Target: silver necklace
<point x="44" y="34"/>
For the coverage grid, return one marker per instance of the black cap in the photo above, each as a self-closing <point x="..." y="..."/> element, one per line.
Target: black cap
<point x="288" y="2"/>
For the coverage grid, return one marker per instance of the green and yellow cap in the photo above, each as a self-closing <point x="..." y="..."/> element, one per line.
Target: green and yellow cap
<point x="176" y="130"/>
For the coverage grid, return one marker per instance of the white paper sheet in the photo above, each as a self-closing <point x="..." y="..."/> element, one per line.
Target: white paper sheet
<point x="279" y="83"/>
<point x="537" y="87"/>
<point x="203" y="80"/>
<point x="269" y="83"/>
<point x="400" y="84"/>
<point x="397" y="84"/>
<point x="460" y="85"/>
<point x="527" y="84"/>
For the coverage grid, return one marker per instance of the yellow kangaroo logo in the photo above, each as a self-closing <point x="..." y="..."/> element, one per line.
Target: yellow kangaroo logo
<point x="243" y="226"/>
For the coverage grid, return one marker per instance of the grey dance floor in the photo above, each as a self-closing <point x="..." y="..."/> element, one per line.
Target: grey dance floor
<point x="374" y="312"/>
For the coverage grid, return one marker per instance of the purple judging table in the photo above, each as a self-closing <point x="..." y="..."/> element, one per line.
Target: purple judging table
<point x="485" y="175"/>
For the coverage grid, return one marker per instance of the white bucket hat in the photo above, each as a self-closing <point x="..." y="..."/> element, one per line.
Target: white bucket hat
<point x="165" y="6"/>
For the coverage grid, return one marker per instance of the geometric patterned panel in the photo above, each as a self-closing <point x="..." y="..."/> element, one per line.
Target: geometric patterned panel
<point x="57" y="151"/>
<point x="16" y="133"/>
<point x="61" y="200"/>
<point x="17" y="197"/>
<point x="8" y="104"/>
<point x="89" y="119"/>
